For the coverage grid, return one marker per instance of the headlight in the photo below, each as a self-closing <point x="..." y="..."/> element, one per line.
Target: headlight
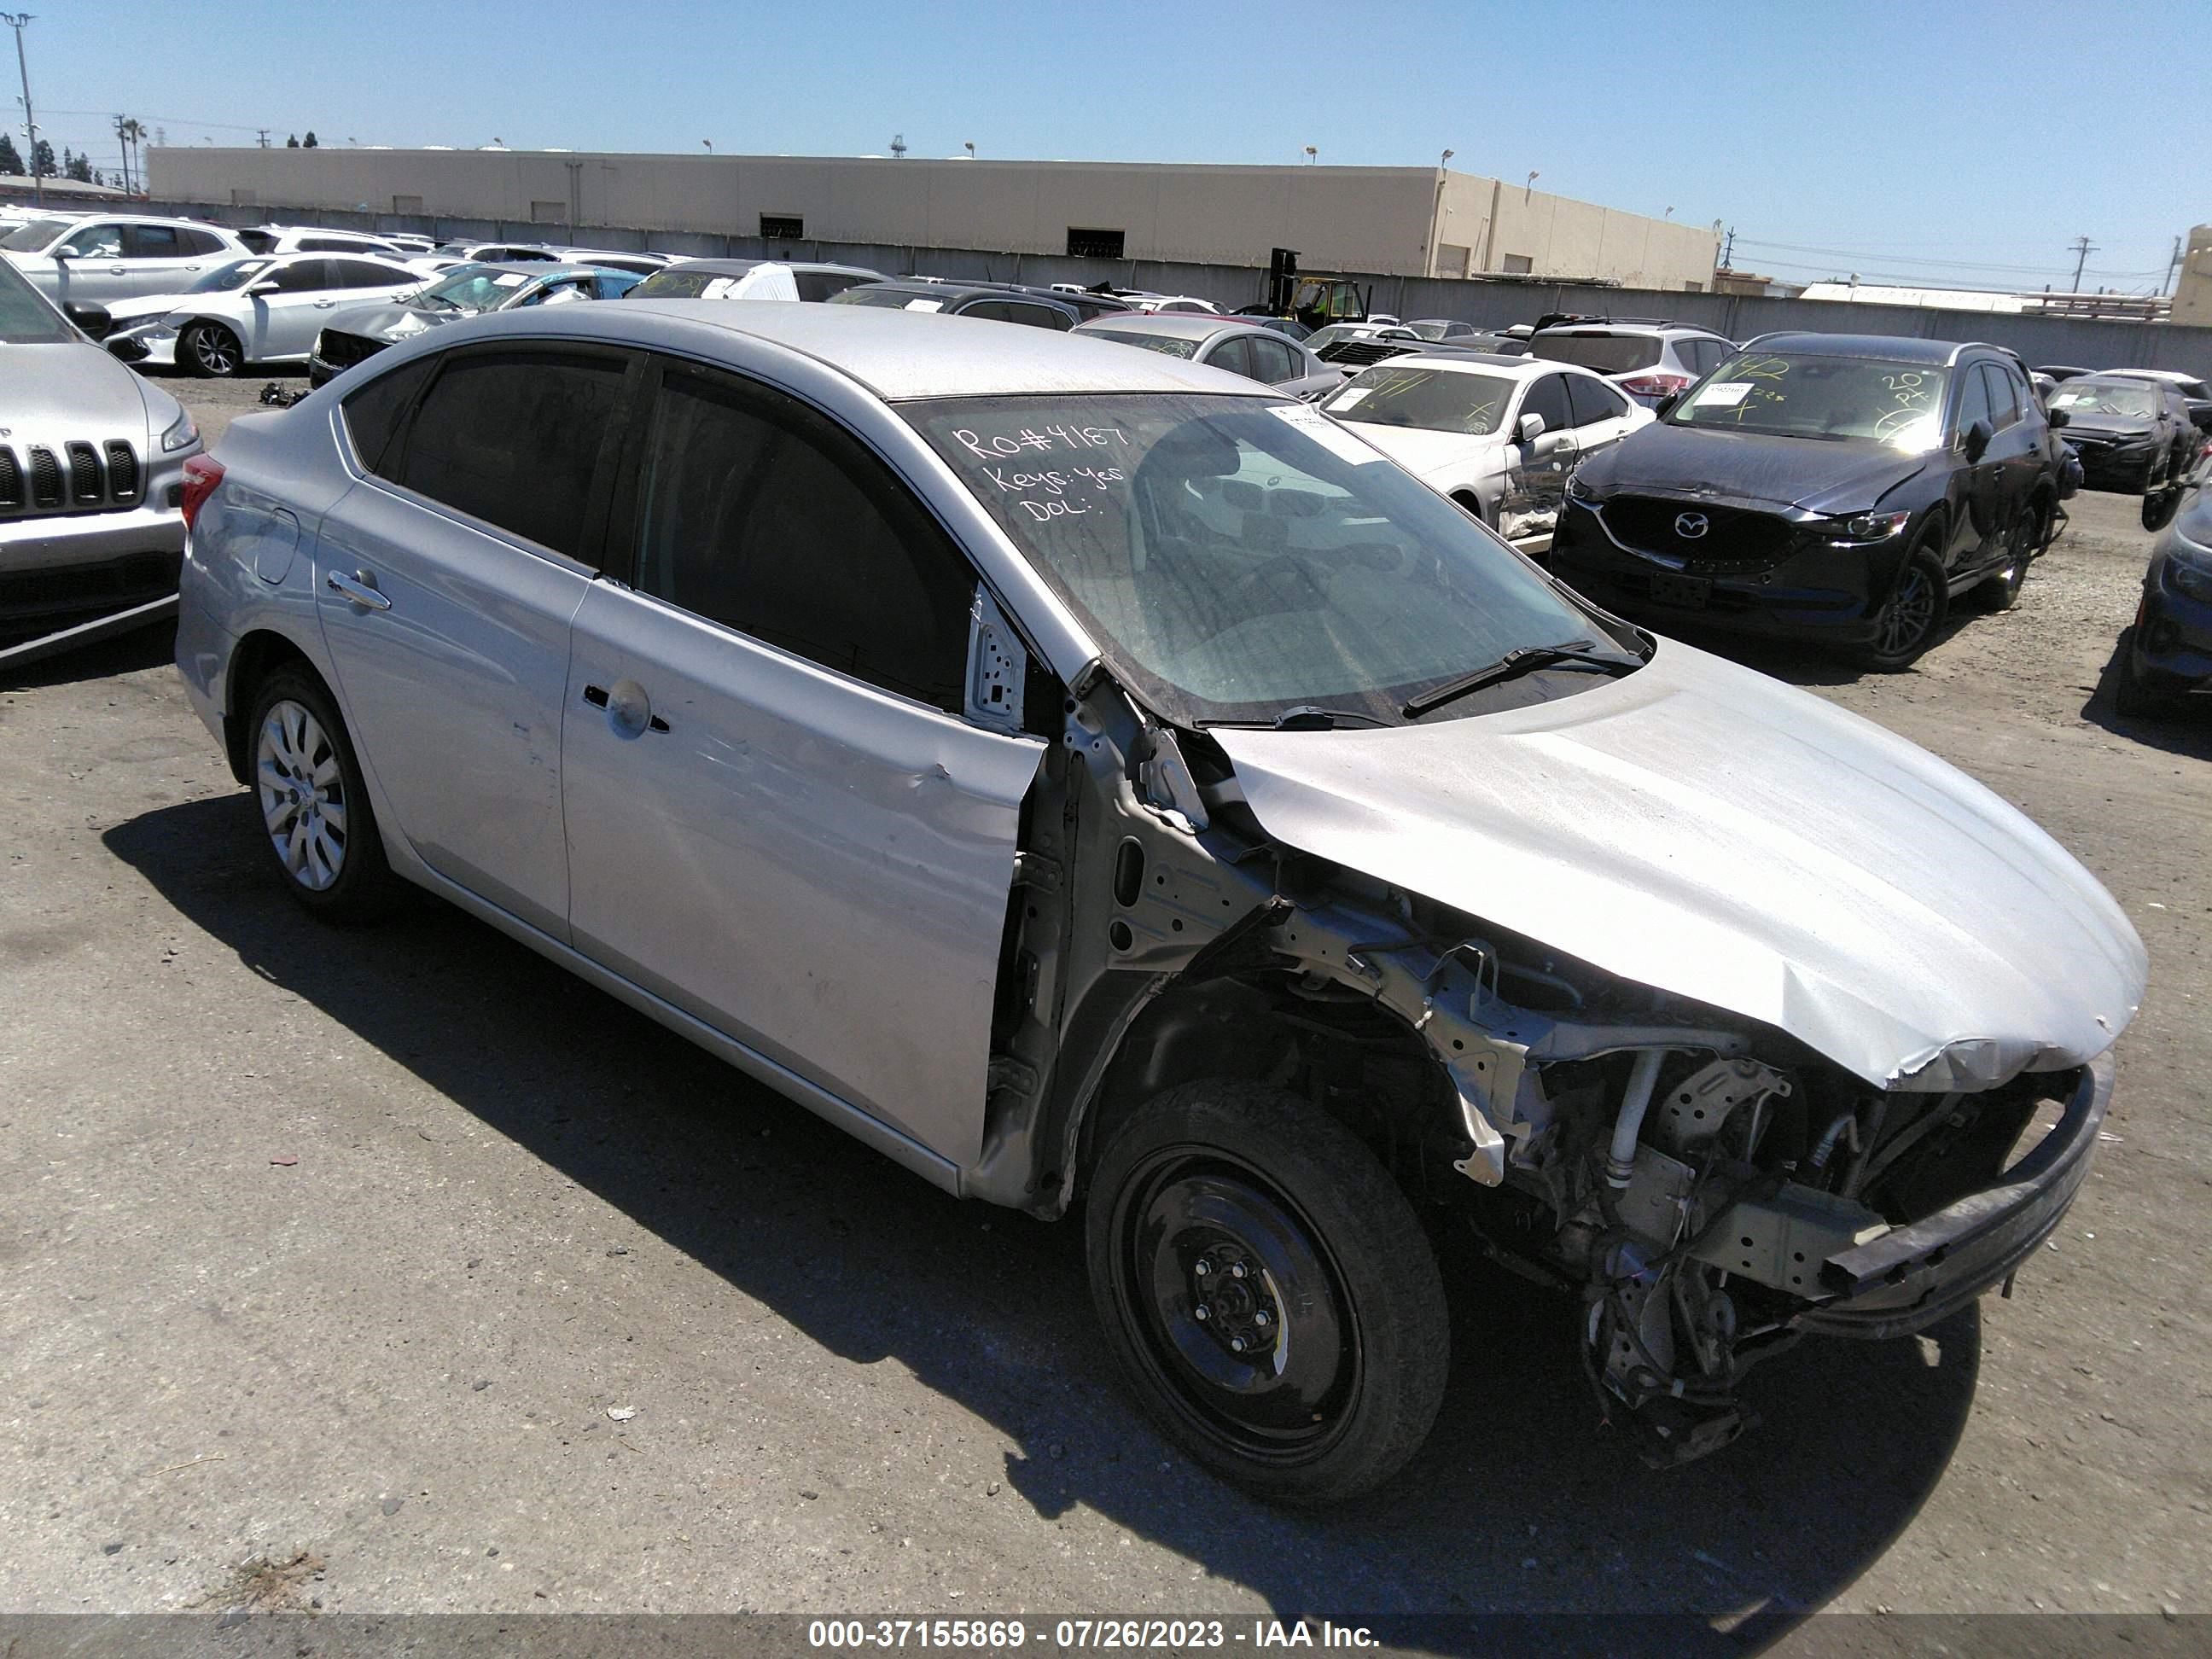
<point x="182" y="436"/>
<point x="1864" y="527"/>
<point x="406" y="328"/>
<point x="1578" y="489"/>
<point x="2189" y="568"/>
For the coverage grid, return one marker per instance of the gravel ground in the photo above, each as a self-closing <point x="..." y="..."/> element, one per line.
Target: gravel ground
<point x="554" y="1313"/>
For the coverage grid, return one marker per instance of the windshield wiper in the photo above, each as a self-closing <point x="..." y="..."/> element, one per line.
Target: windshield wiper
<point x="1305" y="717"/>
<point x="1522" y="659"/>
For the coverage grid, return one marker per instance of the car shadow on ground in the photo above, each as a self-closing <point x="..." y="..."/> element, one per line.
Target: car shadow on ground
<point x="127" y="654"/>
<point x="2180" y="728"/>
<point x="1519" y="1503"/>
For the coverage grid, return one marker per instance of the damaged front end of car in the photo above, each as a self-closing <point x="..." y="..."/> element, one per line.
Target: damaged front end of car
<point x="1703" y="1187"/>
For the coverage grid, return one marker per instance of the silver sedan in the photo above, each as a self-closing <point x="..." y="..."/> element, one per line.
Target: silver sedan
<point x="1083" y="774"/>
<point x="1242" y="348"/>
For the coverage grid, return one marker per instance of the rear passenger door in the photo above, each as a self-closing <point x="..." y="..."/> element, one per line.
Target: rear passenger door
<point x="779" y="821"/>
<point x="164" y="258"/>
<point x="446" y="581"/>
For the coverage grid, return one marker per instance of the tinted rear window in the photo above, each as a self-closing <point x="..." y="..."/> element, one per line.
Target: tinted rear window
<point x="1608" y="354"/>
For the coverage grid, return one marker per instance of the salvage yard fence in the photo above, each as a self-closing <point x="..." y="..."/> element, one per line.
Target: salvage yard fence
<point x="2082" y="341"/>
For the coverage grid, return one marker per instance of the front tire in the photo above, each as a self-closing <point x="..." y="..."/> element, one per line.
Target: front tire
<point x="210" y="351"/>
<point x="1268" y="1291"/>
<point x="316" y="817"/>
<point x="1913" y="615"/>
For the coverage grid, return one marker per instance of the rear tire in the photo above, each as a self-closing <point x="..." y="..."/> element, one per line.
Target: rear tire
<point x="1913" y="614"/>
<point x="317" y="821"/>
<point x="2022" y="545"/>
<point x="210" y="351"/>
<point x="1268" y="1292"/>
<point x="2130" y="696"/>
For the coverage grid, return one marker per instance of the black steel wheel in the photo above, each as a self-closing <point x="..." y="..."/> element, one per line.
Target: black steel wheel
<point x="1913" y="614"/>
<point x="1268" y="1291"/>
<point x="211" y="351"/>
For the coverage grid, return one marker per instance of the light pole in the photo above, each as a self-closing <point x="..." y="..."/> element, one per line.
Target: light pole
<point x="1312" y="155"/>
<point x="968" y="144"/>
<point x="16" y="21"/>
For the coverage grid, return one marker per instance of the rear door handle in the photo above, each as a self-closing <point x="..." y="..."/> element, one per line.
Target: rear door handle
<point x="358" y="589"/>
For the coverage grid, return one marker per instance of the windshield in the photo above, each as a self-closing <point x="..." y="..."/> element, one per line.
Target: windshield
<point x="1434" y="400"/>
<point x="225" y="278"/>
<point x="680" y="284"/>
<point x="1168" y="345"/>
<point x="2117" y="398"/>
<point x="1435" y="330"/>
<point x="1237" y="557"/>
<point x="25" y="316"/>
<point x="894" y="297"/>
<point x="1608" y="354"/>
<point x="32" y="236"/>
<point x="472" y="288"/>
<point x="1899" y="404"/>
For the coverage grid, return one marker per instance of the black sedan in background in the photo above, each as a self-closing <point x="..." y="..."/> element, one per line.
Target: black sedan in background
<point x="2167" y="654"/>
<point x="1841" y="489"/>
<point x="2132" y="436"/>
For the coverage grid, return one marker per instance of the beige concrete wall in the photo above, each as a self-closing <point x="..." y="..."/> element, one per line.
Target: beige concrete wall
<point x="1366" y="219"/>
<point x="2192" y="284"/>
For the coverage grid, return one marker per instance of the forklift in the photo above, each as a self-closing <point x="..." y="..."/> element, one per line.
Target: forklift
<point x="1315" y="301"/>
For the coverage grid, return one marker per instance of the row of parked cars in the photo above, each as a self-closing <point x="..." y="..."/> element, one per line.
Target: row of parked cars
<point x="1108" y="786"/>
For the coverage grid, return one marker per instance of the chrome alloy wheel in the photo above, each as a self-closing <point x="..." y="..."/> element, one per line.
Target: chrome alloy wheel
<point x="216" y="350"/>
<point x="303" y="797"/>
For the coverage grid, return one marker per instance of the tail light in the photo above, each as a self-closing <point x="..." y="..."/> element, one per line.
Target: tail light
<point x="1654" y="385"/>
<point x="202" y="474"/>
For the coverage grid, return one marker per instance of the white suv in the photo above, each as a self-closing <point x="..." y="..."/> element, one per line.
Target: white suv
<point x="105" y="257"/>
<point x="1648" y="360"/>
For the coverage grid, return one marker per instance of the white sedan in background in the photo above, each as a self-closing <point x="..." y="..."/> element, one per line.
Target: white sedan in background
<point x="1497" y="434"/>
<point x="249" y="312"/>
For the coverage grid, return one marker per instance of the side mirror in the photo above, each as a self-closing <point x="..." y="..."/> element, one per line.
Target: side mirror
<point x="64" y="255"/>
<point x="1659" y="410"/>
<point x="1530" y="428"/>
<point x="2057" y="417"/>
<point x="1977" y="440"/>
<point x="255" y="290"/>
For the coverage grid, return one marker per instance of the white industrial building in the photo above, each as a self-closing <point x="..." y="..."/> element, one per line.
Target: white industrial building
<point x="1406" y="221"/>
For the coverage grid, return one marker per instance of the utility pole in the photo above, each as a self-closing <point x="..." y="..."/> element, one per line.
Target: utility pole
<point x="2083" y="247"/>
<point x="1728" y="253"/>
<point x="262" y="133"/>
<point x="2172" y="265"/>
<point x="16" y="21"/>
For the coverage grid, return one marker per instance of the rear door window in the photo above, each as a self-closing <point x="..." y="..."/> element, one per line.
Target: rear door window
<point x="515" y="438"/>
<point x="1274" y="360"/>
<point x="152" y="242"/>
<point x="373" y="414"/>
<point x="1592" y="399"/>
<point x="1234" y="355"/>
<point x="367" y="273"/>
<point x="819" y="285"/>
<point x="2005" y="409"/>
<point x="757" y="512"/>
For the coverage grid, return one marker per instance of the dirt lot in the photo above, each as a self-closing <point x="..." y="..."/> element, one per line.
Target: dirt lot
<point x="379" y="1378"/>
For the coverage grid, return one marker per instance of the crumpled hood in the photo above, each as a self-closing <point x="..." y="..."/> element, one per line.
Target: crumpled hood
<point x="1423" y="453"/>
<point x="1750" y="466"/>
<point x="69" y="390"/>
<point x="370" y="321"/>
<point x="129" y="313"/>
<point x="1702" y="828"/>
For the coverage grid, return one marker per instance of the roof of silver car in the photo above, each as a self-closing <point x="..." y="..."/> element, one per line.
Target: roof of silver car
<point x="900" y="354"/>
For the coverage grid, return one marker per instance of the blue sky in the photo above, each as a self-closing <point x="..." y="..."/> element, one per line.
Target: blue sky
<point x="1967" y="142"/>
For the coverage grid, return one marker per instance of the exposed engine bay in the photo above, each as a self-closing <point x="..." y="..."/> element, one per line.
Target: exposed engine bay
<point x="1703" y="1188"/>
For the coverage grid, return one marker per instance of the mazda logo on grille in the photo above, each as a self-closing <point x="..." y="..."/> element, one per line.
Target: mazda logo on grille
<point x="1691" y="526"/>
